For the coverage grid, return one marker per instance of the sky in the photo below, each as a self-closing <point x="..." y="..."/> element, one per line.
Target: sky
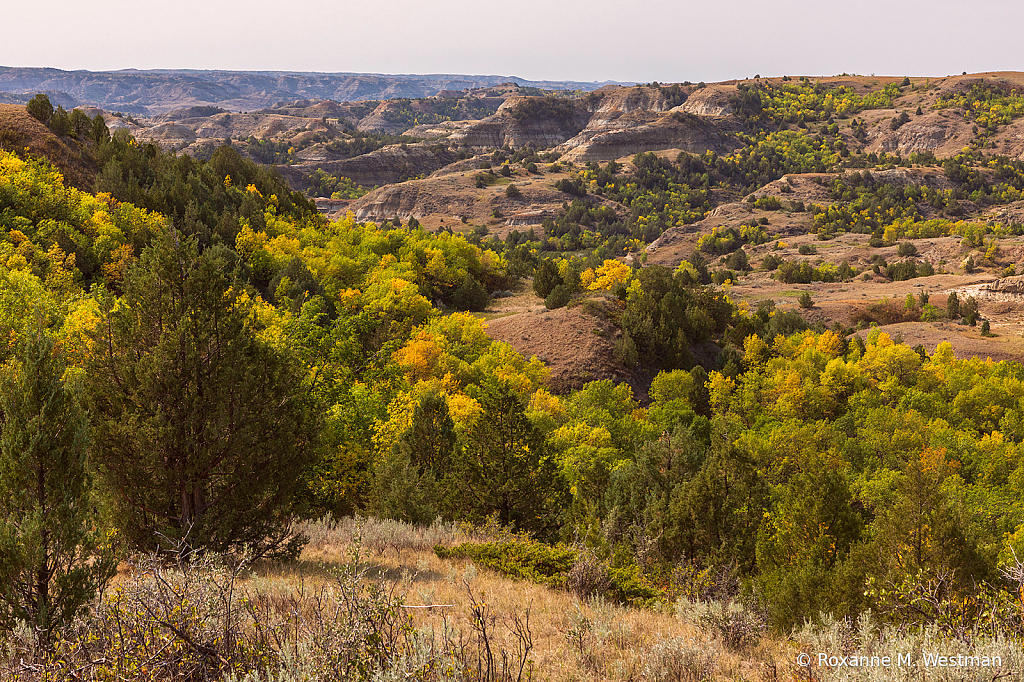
<point x="638" y="40"/>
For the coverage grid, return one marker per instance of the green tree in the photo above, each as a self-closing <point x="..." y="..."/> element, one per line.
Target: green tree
<point x="713" y="517"/>
<point x="803" y="544"/>
<point x="919" y="534"/>
<point x="100" y="132"/>
<point x="953" y="306"/>
<point x="203" y="431"/>
<point x="39" y="107"/>
<point x="470" y="295"/>
<point x="79" y="122"/>
<point x="51" y="561"/>
<point x="414" y="482"/>
<point x="969" y="310"/>
<point x="505" y="468"/>
<point x="559" y="297"/>
<point x="60" y="123"/>
<point x="546" y="277"/>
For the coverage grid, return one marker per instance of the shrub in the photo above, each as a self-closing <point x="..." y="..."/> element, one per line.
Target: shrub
<point x="374" y="533"/>
<point x="588" y="576"/>
<point x="767" y="203"/>
<point x="730" y="622"/>
<point x="195" y="620"/>
<point x="930" y="313"/>
<point x="558" y="566"/>
<point x="871" y="638"/>
<point x="679" y="660"/>
<point x="807" y="250"/>
<point x="629" y="586"/>
<point x="559" y="297"/>
<point x="520" y="558"/>
<point x="723" y="276"/>
<point x="805" y="300"/>
<point x="887" y="311"/>
<point x="512" y="192"/>
<point x="904" y="270"/>
<point x="573" y="187"/>
<point x="906" y="249"/>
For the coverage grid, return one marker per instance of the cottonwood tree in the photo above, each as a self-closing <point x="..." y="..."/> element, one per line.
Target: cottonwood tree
<point x="203" y="431"/>
<point x="51" y="559"/>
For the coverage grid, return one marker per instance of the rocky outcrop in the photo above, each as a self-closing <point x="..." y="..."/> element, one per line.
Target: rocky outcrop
<point x="939" y="132"/>
<point x="611" y="137"/>
<point x="712" y="100"/>
<point x="391" y="164"/>
<point x="627" y="100"/>
<point x="527" y="121"/>
<point x="1006" y="285"/>
<point x="414" y="199"/>
<point x="170" y="133"/>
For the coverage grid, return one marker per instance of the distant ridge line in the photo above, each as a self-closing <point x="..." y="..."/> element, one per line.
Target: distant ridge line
<point x="150" y="92"/>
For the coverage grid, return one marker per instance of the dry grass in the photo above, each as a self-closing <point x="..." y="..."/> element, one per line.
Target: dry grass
<point x="370" y="600"/>
<point x="573" y="639"/>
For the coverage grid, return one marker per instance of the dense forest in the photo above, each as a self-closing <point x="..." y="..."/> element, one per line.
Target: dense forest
<point x="194" y="358"/>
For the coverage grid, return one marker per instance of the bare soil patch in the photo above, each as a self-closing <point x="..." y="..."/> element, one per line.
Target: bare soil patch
<point x="576" y="344"/>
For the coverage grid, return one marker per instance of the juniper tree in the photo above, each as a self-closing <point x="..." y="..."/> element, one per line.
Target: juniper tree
<point x="505" y="468"/>
<point x="50" y="562"/>
<point x="203" y="431"/>
<point x="40" y="108"/>
<point x="415" y="482"/>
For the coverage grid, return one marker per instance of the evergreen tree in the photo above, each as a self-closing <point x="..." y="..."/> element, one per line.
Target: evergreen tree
<point x="203" y="431"/>
<point x="953" y="306"/>
<point x="49" y="563"/>
<point x="40" y="108"/>
<point x="471" y="295"/>
<point x="100" y="132"/>
<point x="406" y="483"/>
<point x="546" y="277"/>
<point x="60" y="123"/>
<point x="505" y="468"/>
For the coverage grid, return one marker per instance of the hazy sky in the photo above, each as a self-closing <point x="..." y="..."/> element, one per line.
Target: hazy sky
<point x="642" y="40"/>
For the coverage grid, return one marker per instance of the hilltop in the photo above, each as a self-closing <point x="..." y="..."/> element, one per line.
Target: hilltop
<point x="19" y="131"/>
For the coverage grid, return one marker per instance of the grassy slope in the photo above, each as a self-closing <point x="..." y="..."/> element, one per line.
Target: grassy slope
<point x="20" y="132"/>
